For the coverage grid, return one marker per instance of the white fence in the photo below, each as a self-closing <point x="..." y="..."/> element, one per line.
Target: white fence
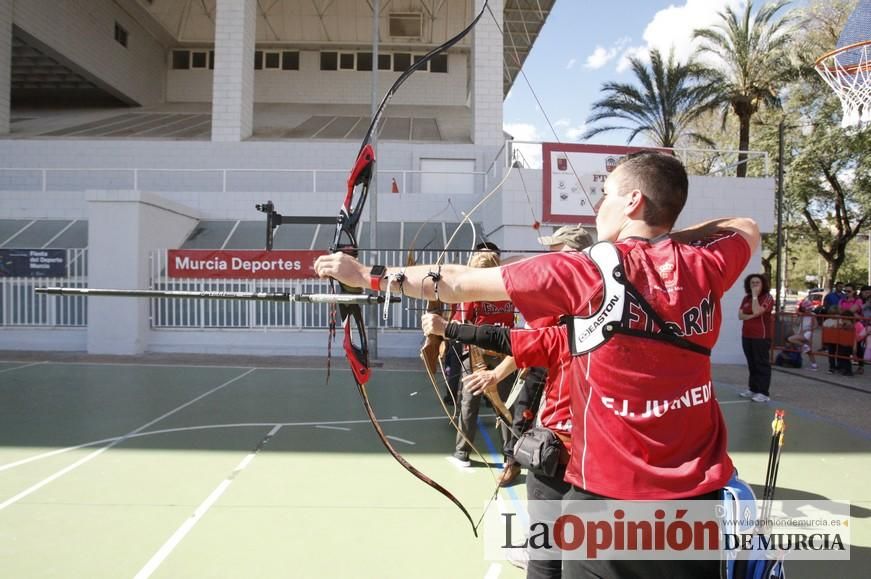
<point x="20" y="306"/>
<point x="219" y="314"/>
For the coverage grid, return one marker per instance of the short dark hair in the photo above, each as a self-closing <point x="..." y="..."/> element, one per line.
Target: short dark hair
<point x="766" y="287"/>
<point x="663" y="181"/>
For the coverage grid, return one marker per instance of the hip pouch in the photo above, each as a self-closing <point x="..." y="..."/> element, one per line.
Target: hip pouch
<point x="538" y="450"/>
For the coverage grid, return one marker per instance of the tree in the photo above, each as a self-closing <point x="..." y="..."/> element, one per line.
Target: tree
<point x="669" y="98"/>
<point x="752" y="53"/>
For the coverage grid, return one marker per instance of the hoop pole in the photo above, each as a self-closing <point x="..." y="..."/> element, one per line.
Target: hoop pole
<point x="361" y="299"/>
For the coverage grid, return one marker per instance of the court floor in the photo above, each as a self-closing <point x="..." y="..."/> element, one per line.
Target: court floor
<point x="139" y="469"/>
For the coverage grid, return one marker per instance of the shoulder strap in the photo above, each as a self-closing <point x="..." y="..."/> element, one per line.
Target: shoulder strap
<point x="588" y="333"/>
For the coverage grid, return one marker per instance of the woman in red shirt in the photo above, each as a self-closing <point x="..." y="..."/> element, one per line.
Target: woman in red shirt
<point x="756" y="334"/>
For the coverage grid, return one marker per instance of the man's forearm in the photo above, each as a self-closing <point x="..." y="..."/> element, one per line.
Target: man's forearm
<point x="449" y="283"/>
<point x="709" y="228"/>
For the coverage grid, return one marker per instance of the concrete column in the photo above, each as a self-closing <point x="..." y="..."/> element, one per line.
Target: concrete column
<point x="487" y="70"/>
<point x="5" y="63"/>
<point x="124" y="227"/>
<point x="233" y="87"/>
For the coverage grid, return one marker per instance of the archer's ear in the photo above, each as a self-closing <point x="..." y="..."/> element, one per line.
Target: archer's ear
<point x="634" y="204"/>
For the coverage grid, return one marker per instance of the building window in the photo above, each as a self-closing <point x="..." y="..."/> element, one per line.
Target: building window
<point x="258" y="60"/>
<point x="439" y="63"/>
<point x="385" y="62"/>
<point x="364" y="61"/>
<point x="346" y="61"/>
<point x="329" y="61"/>
<point x="211" y="60"/>
<point x="406" y="25"/>
<point x="290" y="60"/>
<point x="401" y="61"/>
<point x="199" y="59"/>
<point x="181" y="59"/>
<point x="121" y="35"/>
<point x="272" y="60"/>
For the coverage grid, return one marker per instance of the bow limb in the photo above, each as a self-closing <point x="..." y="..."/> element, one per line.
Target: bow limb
<point x="407" y="465"/>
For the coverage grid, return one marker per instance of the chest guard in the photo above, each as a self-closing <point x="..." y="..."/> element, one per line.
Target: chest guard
<point x="612" y="317"/>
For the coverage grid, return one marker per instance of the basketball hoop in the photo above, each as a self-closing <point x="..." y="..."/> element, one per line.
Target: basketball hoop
<point x="848" y="71"/>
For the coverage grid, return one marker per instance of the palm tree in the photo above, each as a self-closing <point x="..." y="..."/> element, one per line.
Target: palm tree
<point x="751" y="50"/>
<point x="663" y="108"/>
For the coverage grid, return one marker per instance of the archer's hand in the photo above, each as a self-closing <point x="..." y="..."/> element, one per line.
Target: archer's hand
<point x="433" y="325"/>
<point x="479" y="382"/>
<point x="343" y="268"/>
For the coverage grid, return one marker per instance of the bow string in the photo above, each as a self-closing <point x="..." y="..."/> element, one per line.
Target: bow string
<point x="345" y="240"/>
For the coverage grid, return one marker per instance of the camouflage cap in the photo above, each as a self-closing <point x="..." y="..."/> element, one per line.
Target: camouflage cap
<point x="574" y="236"/>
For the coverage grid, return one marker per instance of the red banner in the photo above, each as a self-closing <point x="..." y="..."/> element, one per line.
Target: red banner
<point x="242" y="264"/>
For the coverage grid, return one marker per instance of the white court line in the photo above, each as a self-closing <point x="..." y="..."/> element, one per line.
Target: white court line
<point x="32" y="489"/>
<point x="201" y="510"/>
<point x="402" y="440"/>
<point x="20" y="367"/>
<point x="320" y="423"/>
<point x="325" y="427"/>
<point x="222" y="366"/>
<point x="493" y="571"/>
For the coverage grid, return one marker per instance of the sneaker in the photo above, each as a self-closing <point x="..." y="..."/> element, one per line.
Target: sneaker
<point x="460" y="460"/>
<point x="805" y="349"/>
<point x="814" y="367"/>
<point x="518" y="556"/>
<point x="747" y="394"/>
<point x="509" y="474"/>
<point x="759" y="397"/>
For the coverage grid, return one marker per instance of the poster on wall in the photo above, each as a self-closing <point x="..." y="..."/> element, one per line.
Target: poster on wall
<point x="242" y="264"/>
<point x="33" y="263"/>
<point x="574" y="177"/>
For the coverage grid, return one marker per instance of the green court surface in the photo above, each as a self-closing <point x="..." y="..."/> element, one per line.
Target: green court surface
<point x="175" y="470"/>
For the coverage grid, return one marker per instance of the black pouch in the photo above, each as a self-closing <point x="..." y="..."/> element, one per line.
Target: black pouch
<point x="538" y="450"/>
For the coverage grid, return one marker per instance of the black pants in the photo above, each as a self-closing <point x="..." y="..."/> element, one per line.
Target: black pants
<point x="757" y="350"/>
<point x="544" y="488"/>
<point x="610" y="569"/>
<point x="467" y="420"/>
<point x="845" y="363"/>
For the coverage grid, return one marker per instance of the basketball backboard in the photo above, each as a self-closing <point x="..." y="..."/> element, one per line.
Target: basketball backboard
<point x="847" y="69"/>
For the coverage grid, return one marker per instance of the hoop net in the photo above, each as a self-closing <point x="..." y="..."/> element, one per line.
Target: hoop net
<point x="847" y="71"/>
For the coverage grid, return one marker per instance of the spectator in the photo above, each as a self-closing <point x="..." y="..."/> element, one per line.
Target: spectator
<point x="756" y="334"/>
<point x="804" y="334"/>
<point x="834" y="297"/>
<point x="851" y="302"/>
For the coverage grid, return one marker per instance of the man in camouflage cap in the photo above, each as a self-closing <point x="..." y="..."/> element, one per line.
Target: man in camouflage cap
<point x="573" y="236"/>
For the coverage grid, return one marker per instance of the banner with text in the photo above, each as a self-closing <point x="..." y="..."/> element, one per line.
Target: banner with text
<point x="574" y="179"/>
<point x="242" y="264"/>
<point x="33" y="263"/>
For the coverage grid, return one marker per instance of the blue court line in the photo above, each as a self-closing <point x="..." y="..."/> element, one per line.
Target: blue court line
<point x="809" y="414"/>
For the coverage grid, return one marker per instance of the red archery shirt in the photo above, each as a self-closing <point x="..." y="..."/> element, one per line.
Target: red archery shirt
<point x="645" y="421"/>
<point x="760" y="326"/>
<point x="547" y="348"/>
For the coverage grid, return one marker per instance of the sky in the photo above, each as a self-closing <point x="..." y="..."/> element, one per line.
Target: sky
<point x="584" y="44"/>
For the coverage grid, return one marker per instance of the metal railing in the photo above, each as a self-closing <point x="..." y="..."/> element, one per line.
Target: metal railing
<point x="217" y="180"/>
<point x="698" y="161"/>
<point x="20" y="306"/>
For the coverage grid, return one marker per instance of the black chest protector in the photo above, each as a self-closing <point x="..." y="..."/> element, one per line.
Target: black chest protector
<point x="588" y="333"/>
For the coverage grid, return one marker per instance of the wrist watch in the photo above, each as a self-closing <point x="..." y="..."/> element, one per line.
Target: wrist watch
<point x="376" y="274"/>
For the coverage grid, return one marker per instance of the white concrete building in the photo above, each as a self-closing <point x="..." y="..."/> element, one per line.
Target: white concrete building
<point x="128" y="127"/>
